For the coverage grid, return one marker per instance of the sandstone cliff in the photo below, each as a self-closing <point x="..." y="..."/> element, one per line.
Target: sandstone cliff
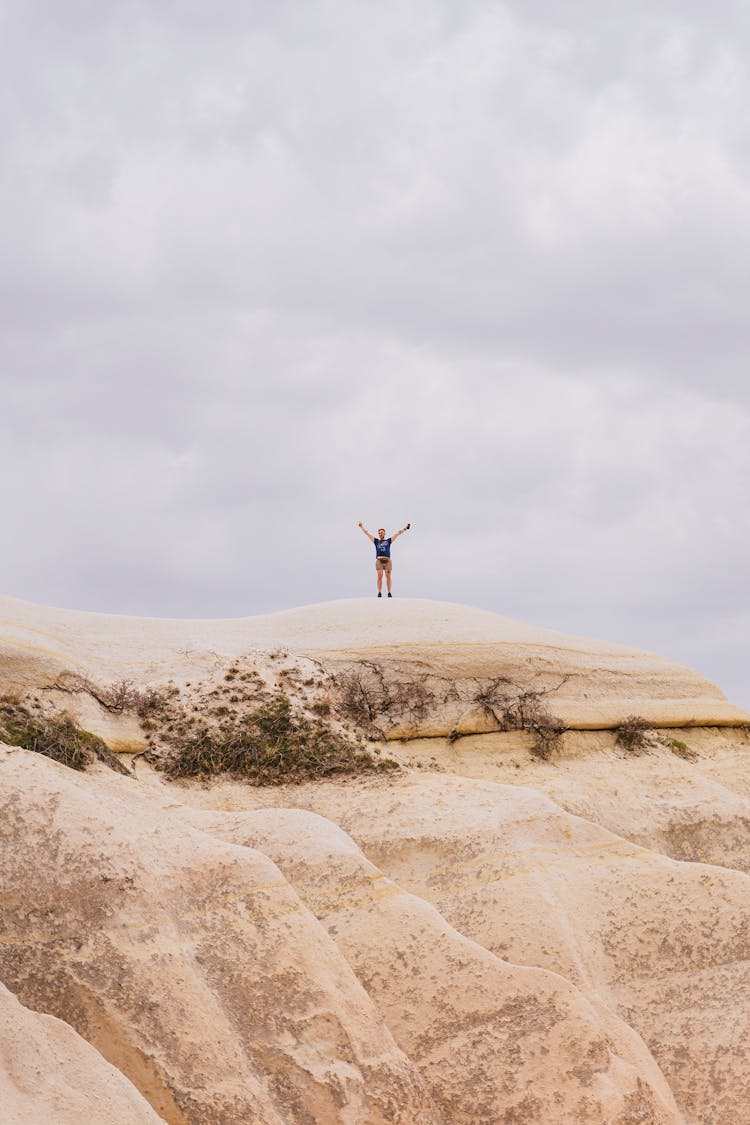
<point x="488" y="934"/>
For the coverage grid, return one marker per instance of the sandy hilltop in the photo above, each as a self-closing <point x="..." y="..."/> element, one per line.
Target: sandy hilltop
<point x="509" y="883"/>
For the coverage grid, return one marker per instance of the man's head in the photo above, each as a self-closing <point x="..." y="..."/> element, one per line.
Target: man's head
<point x="381" y="533"/>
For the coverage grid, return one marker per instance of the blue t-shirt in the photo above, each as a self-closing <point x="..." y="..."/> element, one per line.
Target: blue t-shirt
<point x="382" y="548"/>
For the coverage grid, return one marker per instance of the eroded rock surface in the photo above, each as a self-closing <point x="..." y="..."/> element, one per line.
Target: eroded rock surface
<point x="483" y="937"/>
<point x="494" y="1041"/>
<point x="49" y="1074"/>
<point x="662" y="944"/>
<point x="189" y="963"/>
<point x="586" y="683"/>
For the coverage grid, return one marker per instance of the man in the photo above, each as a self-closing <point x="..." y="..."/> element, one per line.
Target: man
<point x="383" y="564"/>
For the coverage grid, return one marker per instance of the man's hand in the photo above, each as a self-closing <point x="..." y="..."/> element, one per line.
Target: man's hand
<point x="360" y="524"/>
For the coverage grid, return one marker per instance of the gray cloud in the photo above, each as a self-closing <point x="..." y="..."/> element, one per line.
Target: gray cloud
<point x="271" y="268"/>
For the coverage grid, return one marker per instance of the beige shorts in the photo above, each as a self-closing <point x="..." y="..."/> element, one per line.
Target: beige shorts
<point x="384" y="564"/>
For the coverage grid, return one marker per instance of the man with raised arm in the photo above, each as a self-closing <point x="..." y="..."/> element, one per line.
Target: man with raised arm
<point x="383" y="564"/>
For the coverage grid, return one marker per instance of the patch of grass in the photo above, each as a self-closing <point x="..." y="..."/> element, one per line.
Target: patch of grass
<point x="632" y="734"/>
<point x="678" y="747"/>
<point x="268" y="746"/>
<point x="58" y="737"/>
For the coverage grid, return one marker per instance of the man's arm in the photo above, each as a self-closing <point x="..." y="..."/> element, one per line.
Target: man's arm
<point x="367" y="533"/>
<point x="401" y="532"/>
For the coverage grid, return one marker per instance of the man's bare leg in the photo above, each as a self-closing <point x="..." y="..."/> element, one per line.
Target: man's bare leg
<point x="388" y="580"/>
<point x="380" y="580"/>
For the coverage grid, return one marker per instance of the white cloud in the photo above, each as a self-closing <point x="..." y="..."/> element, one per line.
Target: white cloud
<point x="269" y="269"/>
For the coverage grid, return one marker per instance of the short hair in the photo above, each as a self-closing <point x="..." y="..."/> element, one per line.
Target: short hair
<point x="381" y="529"/>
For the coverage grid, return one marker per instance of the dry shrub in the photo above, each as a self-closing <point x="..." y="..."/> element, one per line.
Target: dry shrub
<point x="118" y="697"/>
<point x="367" y="695"/>
<point x="125" y="696"/>
<point x="57" y="737"/>
<point x="548" y="733"/>
<point x="358" y="701"/>
<point x="632" y="734"/>
<point x="514" y="708"/>
<point x="268" y="746"/>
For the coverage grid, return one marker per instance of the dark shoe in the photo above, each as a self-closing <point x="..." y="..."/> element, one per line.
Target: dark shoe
<point x="390" y="595"/>
<point x="380" y="595"/>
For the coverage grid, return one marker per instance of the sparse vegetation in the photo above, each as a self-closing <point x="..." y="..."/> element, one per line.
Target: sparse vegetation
<point x="678" y="747"/>
<point x="125" y="696"/>
<point x="367" y="696"/>
<point x="632" y="734"/>
<point x="233" y="724"/>
<point x="548" y="734"/>
<point x="358" y="701"/>
<point x="514" y="708"/>
<point x="636" y="735"/>
<point x="57" y="737"/>
<point x="269" y="745"/>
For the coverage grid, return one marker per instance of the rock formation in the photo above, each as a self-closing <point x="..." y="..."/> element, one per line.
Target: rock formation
<point x="48" y="1073"/>
<point x="490" y="934"/>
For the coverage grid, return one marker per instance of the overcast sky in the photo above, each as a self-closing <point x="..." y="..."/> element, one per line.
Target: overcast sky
<point x="270" y="267"/>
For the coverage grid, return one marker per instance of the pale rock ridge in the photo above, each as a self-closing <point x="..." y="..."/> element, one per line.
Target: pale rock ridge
<point x="664" y="944"/>
<point x="495" y="1042"/>
<point x="49" y="1074"/>
<point x="429" y="948"/>
<point x="592" y="683"/>
<point x="191" y="964"/>
<point x="696" y="810"/>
